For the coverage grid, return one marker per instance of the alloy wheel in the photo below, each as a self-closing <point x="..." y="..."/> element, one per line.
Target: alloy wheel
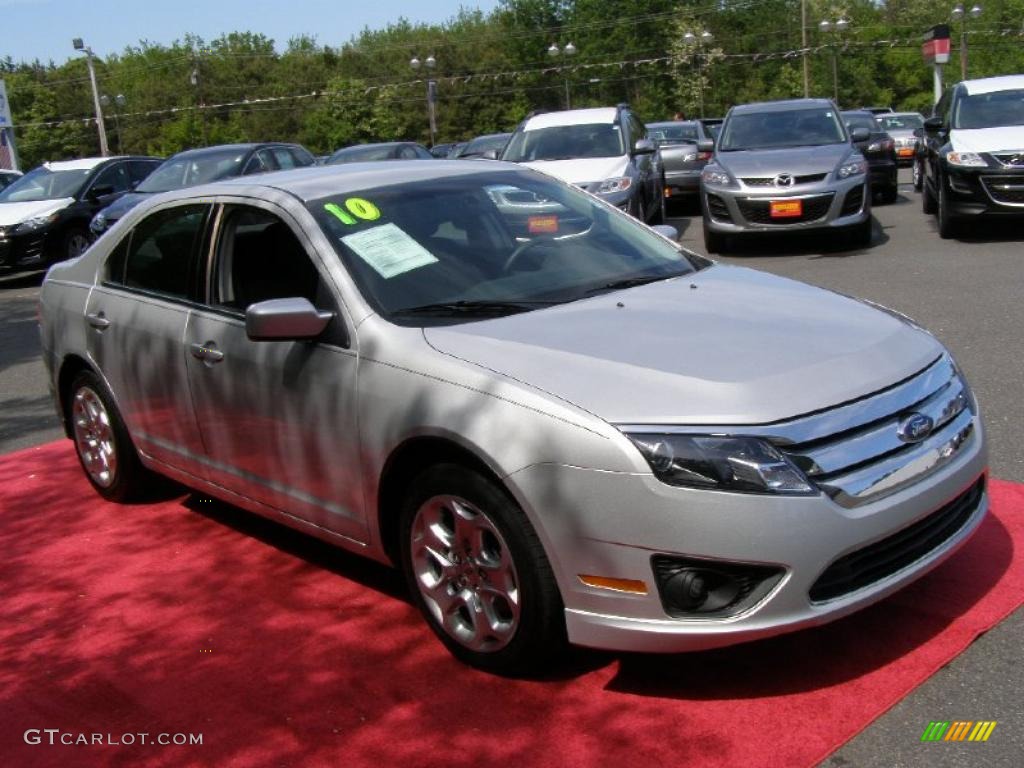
<point x="94" y="437"/>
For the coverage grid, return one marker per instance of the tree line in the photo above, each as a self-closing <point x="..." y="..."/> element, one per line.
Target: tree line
<point x="492" y="69"/>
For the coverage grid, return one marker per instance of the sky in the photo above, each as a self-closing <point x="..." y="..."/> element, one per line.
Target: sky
<point x="43" y="29"/>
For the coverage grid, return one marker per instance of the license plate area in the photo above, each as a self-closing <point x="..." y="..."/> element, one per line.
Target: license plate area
<point x="786" y="209"/>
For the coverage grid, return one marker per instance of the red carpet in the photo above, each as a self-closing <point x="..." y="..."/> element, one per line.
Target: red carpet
<point x="189" y="616"/>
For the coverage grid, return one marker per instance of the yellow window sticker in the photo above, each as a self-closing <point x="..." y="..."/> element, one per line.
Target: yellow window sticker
<point x="388" y="250"/>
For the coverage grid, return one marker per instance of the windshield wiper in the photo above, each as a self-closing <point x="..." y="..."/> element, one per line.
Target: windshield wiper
<point x="629" y="282"/>
<point x="473" y="307"/>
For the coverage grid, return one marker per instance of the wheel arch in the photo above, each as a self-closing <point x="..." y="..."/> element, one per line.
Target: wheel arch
<point x="70" y="367"/>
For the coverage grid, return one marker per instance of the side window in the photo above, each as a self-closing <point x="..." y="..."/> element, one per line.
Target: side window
<point x="261" y="162"/>
<point x="408" y="153"/>
<point x="116" y="261"/>
<point x="160" y="258"/>
<point x="284" y="158"/>
<point x="260" y="258"/>
<point x="114" y="178"/>
<point x="138" y="170"/>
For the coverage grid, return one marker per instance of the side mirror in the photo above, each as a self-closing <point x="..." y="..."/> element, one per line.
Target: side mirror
<point x="644" y="147"/>
<point x="933" y="124"/>
<point x="100" y="190"/>
<point x="667" y="230"/>
<point x="491" y="154"/>
<point x="859" y="134"/>
<point x="706" y="145"/>
<point x="285" y="320"/>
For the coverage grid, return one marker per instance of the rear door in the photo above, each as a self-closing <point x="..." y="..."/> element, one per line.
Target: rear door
<point x="136" y="319"/>
<point x="278" y="418"/>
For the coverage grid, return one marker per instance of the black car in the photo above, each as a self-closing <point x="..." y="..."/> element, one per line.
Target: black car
<point x="443" y="150"/>
<point x="391" y="150"/>
<point x="200" y="166"/>
<point x="45" y="215"/>
<point x="879" y="149"/>
<point x="8" y="177"/>
<point x="490" y="146"/>
<point x="973" y="154"/>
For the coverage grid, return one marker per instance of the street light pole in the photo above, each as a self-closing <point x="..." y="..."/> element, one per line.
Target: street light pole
<point x="118" y="101"/>
<point x="960" y="15"/>
<point x="700" y="41"/>
<point x="430" y="63"/>
<point x="568" y="50"/>
<point x="834" y="29"/>
<point x="80" y="46"/>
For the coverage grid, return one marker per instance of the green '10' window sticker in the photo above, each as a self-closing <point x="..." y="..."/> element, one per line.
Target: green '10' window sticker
<point x="356" y="209"/>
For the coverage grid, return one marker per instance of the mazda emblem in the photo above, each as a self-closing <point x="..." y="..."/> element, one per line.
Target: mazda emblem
<point x="784" y="180"/>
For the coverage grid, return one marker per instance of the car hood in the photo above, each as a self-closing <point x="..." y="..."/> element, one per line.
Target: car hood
<point x="727" y="345"/>
<point x="15" y="213"/>
<point x="582" y="170"/>
<point x="125" y="203"/>
<point x="1009" y="137"/>
<point x="798" y="161"/>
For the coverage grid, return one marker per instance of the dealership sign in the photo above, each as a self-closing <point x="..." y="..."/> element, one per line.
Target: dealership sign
<point x="936" y="45"/>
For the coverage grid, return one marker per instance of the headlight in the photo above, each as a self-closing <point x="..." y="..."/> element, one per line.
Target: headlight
<point x="742" y="464"/>
<point x="98" y="224"/>
<point x="853" y="168"/>
<point x="37" y="222"/>
<point x="967" y="159"/>
<point x="717" y="177"/>
<point x="618" y="184"/>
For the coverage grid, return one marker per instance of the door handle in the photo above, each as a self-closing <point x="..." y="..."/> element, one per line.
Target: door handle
<point x="207" y="352"/>
<point x="98" y="320"/>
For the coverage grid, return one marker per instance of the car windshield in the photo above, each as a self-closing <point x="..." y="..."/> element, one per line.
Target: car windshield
<point x="802" y="127"/>
<point x="713" y="128"/>
<point x="452" y="249"/>
<point x="990" y="110"/>
<point x="566" y="142"/>
<point x="672" y="133"/>
<point x="900" y="122"/>
<point x="190" y="170"/>
<point x="44" y="184"/>
<point x="361" y="154"/>
<point x="860" y="120"/>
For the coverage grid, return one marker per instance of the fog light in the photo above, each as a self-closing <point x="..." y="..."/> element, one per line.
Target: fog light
<point x="691" y="587"/>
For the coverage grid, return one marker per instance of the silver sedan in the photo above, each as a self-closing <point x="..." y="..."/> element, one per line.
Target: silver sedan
<point x="559" y="424"/>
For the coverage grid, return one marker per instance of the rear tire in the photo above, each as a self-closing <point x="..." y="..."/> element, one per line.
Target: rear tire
<point x="478" y="573"/>
<point x="104" y="447"/>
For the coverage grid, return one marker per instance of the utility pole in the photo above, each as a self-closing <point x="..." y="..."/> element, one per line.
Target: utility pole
<point x="80" y="46"/>
<point x="196" y="78"/>
<point x="803" y="46"/>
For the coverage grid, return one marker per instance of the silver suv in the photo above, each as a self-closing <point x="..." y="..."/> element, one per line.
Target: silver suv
<point x="559" y="424"/>
<point x="785" y="166"/>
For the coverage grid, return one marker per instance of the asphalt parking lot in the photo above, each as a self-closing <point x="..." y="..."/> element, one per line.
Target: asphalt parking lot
<point x="968" y="292"/>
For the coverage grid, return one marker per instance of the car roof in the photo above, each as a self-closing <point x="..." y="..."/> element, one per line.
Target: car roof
<point x="318" y="181"/>
<point x="376" y="144"/>
<point x="572" y="117"/>
<point x="992" y="84"/>
<point x="80" y="164"/>
<point x="781" y="105"/>
<point x="669" y="123"/>
<point x="223" y="147"/>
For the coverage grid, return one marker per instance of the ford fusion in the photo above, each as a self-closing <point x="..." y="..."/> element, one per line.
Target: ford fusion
<point x="560" y="425"/>
<point x="785" y="166"/>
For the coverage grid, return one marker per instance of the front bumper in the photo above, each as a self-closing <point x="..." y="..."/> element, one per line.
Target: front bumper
<point x="988" y="191"/>
<point x="23" y="250"/>
<point x="826" y="204"/>
<point x="615" y="525"/>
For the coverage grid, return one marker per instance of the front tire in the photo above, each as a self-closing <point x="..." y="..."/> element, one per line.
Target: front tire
<point x="76" y="242"/>
<point x="949" y="226"/>
<point x="478" y="573"/>
<point x="917" y="175"/>
<point x="104" y="448"/>
<point x="927" y="199"/>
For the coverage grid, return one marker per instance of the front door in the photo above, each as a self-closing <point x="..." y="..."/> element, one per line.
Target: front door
<point x="277" y="418"/>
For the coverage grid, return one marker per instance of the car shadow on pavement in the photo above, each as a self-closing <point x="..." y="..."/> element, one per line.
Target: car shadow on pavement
<point x="10" y="281"/>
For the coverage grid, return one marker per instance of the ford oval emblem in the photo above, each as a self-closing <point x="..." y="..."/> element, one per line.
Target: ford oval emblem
<point x="915" y="428"/>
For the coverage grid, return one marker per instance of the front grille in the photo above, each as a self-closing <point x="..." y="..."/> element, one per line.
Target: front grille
<point x="717" y="208"/>
<point x="1008" y="190"/>
<point x="759" y="211"/>
<point x="1010" y="159"/>
<point x="853" y="202"/>
<point x="769" y="181"/>
<point x="884" y="558"/>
